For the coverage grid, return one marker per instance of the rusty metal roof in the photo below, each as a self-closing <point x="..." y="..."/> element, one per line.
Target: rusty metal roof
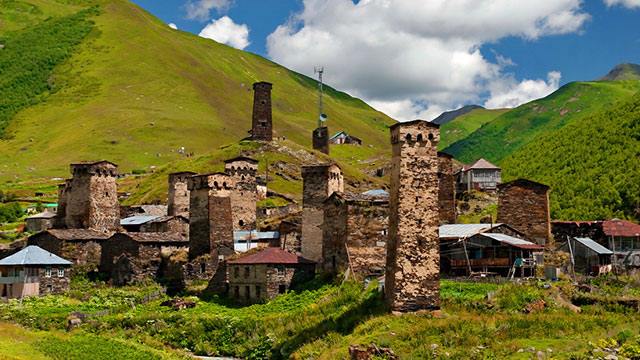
<point x="272" y="255"/>
<point x="621" y="228"/>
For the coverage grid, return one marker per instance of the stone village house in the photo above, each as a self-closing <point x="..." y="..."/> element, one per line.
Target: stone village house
<point x="265" y="274"/>
<point x="481" y="175"/>
<point x="33" y="271"/>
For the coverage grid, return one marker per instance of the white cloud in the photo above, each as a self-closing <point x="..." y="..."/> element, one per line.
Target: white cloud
<point x="225" y="31"/>
<point x="626" y="3"/>
<point x="173" y="26"/>
<point x="201" y="9"/>
<point x="412" y="58"/>
<point x="508" y="93"/>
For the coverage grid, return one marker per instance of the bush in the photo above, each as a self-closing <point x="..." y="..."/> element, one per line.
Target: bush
<point x="11" y="212"/>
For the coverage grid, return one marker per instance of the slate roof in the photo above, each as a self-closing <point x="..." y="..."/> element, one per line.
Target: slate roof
<point x="77" y="234"/>
<point x="43" y="215"/>
<point x="138" y="219"/>
<point x="241" y="158"/>
<point x="513" y="241"/>
<point x="457" y="231"/>
<point x="621" y="228"/>
<point x="271" y="255"/>
<point x="376" y="193"/>
<point x="33" y="255"/>
<point x="594" y="246"/>
<point x="155" y="237"/>
<point x="244" y="235"/>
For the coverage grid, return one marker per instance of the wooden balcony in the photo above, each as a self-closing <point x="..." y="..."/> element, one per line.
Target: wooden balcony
<point x="481" y="262"/>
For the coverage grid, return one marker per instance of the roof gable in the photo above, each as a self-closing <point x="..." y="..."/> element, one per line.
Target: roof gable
<point x="33" y="255"/>
<point x="271" y="255"/>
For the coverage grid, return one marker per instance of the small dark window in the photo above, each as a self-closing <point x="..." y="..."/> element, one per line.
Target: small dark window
<point x="258" y="291"/>
<point x="236" y="271"/>
<point x="408" y="137"/>
<point x="263" y="102"/>
<point x="430" y="136"/>
<point x="236" y="291"/>
<point x="106" y="194"/>
<point x="49" y="289"/>
<point x="203" y="267"/>
<point x="419" y="138"/>
<point x="247" y="271"/>
<point x="282" y="289"/>
<point x="241" y="222"/>
<point x="247" y="292"/>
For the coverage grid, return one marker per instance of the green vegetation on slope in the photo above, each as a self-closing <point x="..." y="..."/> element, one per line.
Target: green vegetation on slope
<point x="463" y="125"/>
<point x="28" y="60"/>
<point x="135" y="91"/>
<point x="507" y="133"/>
<point x="592" y="165"/>
<point x="623" y="72"/>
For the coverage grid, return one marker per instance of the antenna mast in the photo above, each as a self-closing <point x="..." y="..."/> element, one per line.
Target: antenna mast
<point x="321" y="116"/>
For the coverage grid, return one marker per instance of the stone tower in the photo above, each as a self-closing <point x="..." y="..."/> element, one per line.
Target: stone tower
<point x="244" y="171"/>
<point x="178" y="200"/>
<point x="524" y="204"/>
<point x="210" y="223"/>
<point x="90" y="197"/>
<point x="413" y="254"/>
<point x="262" y="126"/>
<point x="319" y="182"/>
<point x="446" y="189"/>
<point x="320" y="140"/>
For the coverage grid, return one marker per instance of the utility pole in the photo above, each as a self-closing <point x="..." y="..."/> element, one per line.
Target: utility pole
<point x="321" y="116"/>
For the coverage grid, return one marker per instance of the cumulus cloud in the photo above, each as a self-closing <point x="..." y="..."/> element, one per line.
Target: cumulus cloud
<point x="508" y="93"/>
<point x="201" y="9"/>
<point x="225" y="31"/>
<point x="626" y="3"/>
<point x="173" y="26"/>
<point x="412" y="58"/>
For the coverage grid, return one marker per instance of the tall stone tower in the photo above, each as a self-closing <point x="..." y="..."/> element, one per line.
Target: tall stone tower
<point x="320" y="139"/>
<point x="524" y="204"/>
<point x="262" y="126"/>
<point x="413" y="254"/>
<point x="179" y="197"/>
<point x="446" y="189"/>
<point x="211" y="223"/>
<point x="90" y="197"/>
<point x="244" y="171"/>
<point x="319" y="182"/>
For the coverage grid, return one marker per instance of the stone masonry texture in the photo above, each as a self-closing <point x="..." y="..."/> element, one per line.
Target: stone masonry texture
<point x="244" y="198"/>
<point x="320" y="139"/>
<point x="262" y="126"/>
<point x="319" y="182"/>
<point x="446" y="189"/>
<point x="524" y="205"/>
<point x="91" y="197"/>
<point x="413" y="259"/>
<point x="178" y="200"/>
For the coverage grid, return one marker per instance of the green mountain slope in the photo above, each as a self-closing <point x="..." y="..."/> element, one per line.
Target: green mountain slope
<point x="623" y="72"/>
<point x="463" y="125"/>
<point x="510" y="131"/>
<point x="592" y="165"/>
<point x="134" y="91"/>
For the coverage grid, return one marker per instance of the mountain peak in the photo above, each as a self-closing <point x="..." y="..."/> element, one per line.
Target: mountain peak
<point x="623" y="72"/>
<point x="448" y="116"/>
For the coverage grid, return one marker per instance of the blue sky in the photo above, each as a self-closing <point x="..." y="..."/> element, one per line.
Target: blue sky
<point x="436" y="57"/>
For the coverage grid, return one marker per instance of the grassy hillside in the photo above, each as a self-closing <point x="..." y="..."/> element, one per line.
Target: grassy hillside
<point x="510" y="131"/>
<point x="463" y="125"/>
<point x="623" y="72"/>
<point x="134" y="91"/>
<point x="592" y="165"/>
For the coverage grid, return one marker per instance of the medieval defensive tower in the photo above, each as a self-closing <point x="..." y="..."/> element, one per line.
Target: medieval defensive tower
<point x="524" y="204"/>
<point x="262" y="126"/>
<point x="319" y="182"/>
<point x="90" y="197"/>
<point x="446" y="189"/>
<point x="321" y="139"/>
<point x="413" y="254"/>
<point x="244" y="198"/>
<point x="179" y="197"/>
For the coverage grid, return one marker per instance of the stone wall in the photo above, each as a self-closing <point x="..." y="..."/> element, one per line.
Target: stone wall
<point x="177" y="224"/>
<point x="355" y="235"/>
<point x="290" y="236"/>
<point x="179" y="197"/>
<point x="413" y="259"/>
<point x="524" y="205"/>
<point x="83" y="253"/>
<point x="320" y="139"/>
<point x="92" y="197"/>
<point x="253" y="283"/>
<point x="262" y="124"/>
<point x="53" y="284"/>
<point x="446" y="189"/>
<point x="245" y="196"/>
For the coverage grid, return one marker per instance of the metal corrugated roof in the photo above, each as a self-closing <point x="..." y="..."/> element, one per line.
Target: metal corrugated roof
<point x="513" y="241"/>
<point x="457" y="231"/>
<point x="43" y="215"/>
<point x="138" y="219"/>
<point x="244" y="235"/>
<point x="597" y="248"/>
<point x="33" y="255"/>
<point x="376" y="193"/>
